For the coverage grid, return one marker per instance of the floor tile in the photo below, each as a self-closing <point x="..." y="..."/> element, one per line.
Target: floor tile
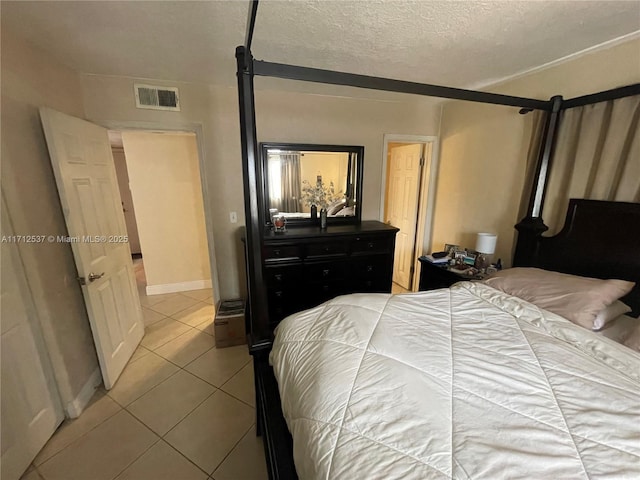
<point x="198" y="294"/>
<point x="162" y="407"/>
<point x="245" y="462"/>
<point x="162" y="332"/>
<point x="211" y="431"/>
<point x="196" y="314"/>
<point x="103" y="452"/>
<point x="209" y="300"/>
<point x="149" y="300"/>
<point x="242" y="385"/>
<point x="150" y="317"/>
<point x="100" y="408"/>
<point x="173" y="305"/>
<point x="187" y="347"/>
<point x="162" y="462"/>
<point x="141" y="376"/>
<point x="139" y="353"/>
<point x="207" y="327"/>
<point x="218" y="365"/>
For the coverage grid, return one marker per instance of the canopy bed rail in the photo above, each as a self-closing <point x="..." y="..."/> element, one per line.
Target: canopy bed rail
<point x="306" y="74"/>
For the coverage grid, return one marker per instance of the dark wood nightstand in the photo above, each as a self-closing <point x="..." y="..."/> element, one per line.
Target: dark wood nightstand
<point x="434" y="276"/>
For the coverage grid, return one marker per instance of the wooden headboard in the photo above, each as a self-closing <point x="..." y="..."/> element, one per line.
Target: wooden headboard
<point x="599" y="239"/>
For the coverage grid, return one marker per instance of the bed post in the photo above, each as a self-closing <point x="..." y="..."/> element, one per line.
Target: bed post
<point x="258" y="323"/>
<point x="531" y="227"/>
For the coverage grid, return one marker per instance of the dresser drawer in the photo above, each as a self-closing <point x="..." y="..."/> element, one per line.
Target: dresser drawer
<point x="324" y="271"/>
<point x="282" y="275"/>
<point x="326" y="249"/>
<point x="316" y="293"/>
<point x="371" y="244"/>
<point x="370" y="267"/>
<point x="281" y="252"/>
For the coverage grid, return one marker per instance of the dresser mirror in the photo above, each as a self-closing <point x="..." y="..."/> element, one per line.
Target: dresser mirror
<point x="298" y="176"/>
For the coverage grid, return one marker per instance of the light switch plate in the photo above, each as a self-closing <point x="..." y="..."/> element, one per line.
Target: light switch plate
<point x="233" y="217"/>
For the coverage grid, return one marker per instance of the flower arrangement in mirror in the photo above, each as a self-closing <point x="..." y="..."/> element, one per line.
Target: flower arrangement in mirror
<point x="319" y="194"/>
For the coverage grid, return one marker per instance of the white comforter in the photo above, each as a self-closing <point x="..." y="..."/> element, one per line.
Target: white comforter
<point x="460" y="383"/>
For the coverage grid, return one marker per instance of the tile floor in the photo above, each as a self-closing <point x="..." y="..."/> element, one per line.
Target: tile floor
<point x="182" y="409"/>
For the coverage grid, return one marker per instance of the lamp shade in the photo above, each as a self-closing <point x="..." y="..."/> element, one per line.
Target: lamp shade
<point x="486" y="243"/>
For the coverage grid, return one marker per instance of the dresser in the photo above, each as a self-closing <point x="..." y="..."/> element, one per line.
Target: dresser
<point x="306" y="266"/>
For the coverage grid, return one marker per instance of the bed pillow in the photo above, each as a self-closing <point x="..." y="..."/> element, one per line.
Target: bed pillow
<point x="610" y="312"/>
<point x="578" y="299"/>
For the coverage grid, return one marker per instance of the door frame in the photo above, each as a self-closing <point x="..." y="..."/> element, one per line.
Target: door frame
<point x="426" y="196"/>
<point x="198" y="130"/>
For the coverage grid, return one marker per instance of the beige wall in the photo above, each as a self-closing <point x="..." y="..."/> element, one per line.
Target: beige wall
<point x="30" y="79"/>
<point x="483" y="147"/>
<point x="281" y="117"/>
<point x="164" y="177"/>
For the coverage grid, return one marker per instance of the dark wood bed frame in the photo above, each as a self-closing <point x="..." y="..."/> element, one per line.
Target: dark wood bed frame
<point x="599" y="239"/>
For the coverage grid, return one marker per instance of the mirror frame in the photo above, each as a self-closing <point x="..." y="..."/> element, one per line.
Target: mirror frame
<point x="264" y="209"/>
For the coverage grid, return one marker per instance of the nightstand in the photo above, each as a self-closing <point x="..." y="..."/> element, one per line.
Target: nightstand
<point x="434" y="276"/>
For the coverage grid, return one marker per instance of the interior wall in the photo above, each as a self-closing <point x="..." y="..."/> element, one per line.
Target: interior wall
<point x="484" y="147"/>
<point x="31" y="79"/>
<point x="281" y="117"/>
<point x="164" y="177"/>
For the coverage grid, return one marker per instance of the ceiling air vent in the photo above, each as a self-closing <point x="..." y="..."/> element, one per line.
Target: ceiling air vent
<point x="157" y="98"/>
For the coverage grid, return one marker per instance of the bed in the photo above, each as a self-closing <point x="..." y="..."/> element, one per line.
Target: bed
<point x="467" y="382"/>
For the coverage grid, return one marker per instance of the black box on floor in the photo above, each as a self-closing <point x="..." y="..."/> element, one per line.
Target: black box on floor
<point x="229" y="326"/>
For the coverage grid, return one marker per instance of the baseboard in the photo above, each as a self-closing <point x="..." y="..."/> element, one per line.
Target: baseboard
<point x="77" y="405"/>
<point x="178" y="287"/>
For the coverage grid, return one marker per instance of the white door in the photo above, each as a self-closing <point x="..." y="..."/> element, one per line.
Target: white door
<point x="402" y="207"/>
<point x="86" y="178"/>
<point x="31" y="409"/>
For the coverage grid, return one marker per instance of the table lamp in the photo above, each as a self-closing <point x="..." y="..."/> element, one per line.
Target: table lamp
<point x="485" y="246"/>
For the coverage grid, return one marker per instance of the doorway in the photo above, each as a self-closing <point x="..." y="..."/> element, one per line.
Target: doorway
<point x="160" y="186"/>
<point x="408" y="186"/>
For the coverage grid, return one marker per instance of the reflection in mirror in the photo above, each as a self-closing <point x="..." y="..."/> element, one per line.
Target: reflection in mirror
<point x="298" y="179"/>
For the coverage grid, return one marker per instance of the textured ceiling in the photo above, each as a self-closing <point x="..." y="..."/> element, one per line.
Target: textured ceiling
<point x="457" y="43"/>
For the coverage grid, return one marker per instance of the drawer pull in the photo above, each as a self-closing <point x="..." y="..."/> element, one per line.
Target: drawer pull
<point x="325" y="288"/>
<point x="325" y="272"/>
<point x="368" y="283"/>
<point x="279" y="294"/>
<point x="327" y="249"/>
<point x="370" y="245"/>
<point x="369" y="268"/>
<point x="276" y="253"/>
<point x="278" y="277"/>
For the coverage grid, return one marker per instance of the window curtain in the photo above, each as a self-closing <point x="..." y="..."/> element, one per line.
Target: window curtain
<point x="290" y="182"/>
<point x="597" y="156"/>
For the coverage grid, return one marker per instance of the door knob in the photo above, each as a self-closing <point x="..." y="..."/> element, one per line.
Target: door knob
<point x="95" y="276"/>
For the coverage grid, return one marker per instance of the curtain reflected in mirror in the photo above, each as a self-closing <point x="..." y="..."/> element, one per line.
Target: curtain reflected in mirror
<point x="285" y="182"/>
